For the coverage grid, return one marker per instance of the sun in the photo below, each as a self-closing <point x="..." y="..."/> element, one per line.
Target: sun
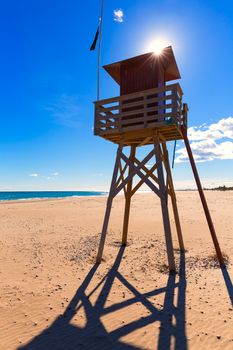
<point x="157" y="46"/>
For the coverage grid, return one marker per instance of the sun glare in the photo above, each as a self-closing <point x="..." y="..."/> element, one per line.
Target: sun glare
<point x="157" y="46"/>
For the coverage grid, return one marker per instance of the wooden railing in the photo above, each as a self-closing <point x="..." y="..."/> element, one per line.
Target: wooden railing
<point x="145" y="109"/>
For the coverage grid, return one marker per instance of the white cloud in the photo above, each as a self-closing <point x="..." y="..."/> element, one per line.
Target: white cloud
<point x="222" y="129"/>
<point x="210" y="142"/>
<point x="203" y="133"/>
<point x="50" y="177"/>
<point x="118" y="15"/>
<point x="207" y="150"/>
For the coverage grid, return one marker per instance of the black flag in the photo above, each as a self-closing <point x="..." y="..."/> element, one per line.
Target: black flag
<point x="92" y="48"/>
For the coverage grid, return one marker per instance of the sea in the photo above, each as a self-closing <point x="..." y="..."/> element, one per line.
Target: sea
<point x="27" y="195"/>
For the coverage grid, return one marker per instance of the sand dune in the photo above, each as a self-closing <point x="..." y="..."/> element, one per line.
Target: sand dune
<point x="54" y="297"/>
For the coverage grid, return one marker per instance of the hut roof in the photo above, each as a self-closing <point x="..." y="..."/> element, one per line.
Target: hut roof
<point x="167" y="59"/>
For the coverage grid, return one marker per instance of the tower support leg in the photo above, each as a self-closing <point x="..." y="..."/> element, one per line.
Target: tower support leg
<point x="165" y="214"/>
<point x="173" y="197"/>
<point x="109" y="206"/>
<point x="128" y="199"/>
<point x="203" y="200"/>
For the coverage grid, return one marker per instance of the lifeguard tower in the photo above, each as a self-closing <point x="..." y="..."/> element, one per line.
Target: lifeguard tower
<point x="149" y="111"/>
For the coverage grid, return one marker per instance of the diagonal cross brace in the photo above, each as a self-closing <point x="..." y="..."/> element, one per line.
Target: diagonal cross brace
<point x="133" y="172"/>
<point x="121" y="176"/>
<point x="148" y="171"/>
<point x="137" y="171"/>
<point x="140" y="183"/>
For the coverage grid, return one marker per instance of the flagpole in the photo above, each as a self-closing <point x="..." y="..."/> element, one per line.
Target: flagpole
<point x="99" y="49"/>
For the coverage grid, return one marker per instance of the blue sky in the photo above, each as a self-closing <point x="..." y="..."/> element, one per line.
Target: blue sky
<point x="48" y="84"/>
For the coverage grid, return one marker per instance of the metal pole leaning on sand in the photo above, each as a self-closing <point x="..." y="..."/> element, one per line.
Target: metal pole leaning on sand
<point x="203" y="200"/>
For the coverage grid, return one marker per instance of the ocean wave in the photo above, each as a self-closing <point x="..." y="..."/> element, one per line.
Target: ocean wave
<point x="40" y="195"/>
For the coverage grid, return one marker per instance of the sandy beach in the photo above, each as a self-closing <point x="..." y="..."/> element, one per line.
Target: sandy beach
<point x="53" y="296"/>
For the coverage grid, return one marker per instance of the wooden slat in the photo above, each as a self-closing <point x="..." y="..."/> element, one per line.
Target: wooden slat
<point x="136" y="129"/>
<point x="132" y="128"/>
<point x="172" y="96"/>
<point x="137" y="111"/>
<point x="108" y="124"/>
<point x="156" y="117"/>
<point x="145" y="141"/>
<point x="139" y="94"/>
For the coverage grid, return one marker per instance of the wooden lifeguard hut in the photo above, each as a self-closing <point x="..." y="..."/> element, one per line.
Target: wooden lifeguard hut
<point x="149" y="111"/>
